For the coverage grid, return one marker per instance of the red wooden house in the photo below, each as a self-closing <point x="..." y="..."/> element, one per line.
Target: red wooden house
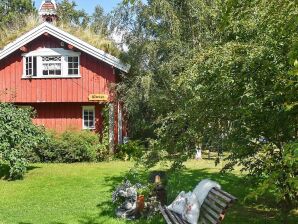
<point x="64" y="78"/>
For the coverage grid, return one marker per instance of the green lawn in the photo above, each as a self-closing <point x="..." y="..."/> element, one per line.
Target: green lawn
<point x="80" y="194"/>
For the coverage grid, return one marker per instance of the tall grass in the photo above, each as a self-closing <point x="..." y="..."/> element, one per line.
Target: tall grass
<point x="20" y="26"/>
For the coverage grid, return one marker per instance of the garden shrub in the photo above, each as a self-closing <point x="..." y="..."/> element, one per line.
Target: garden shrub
<point x="278" y="174"/>
<point x="71" y="146"/>
<point x="134" y="149"/>
<point x="78" y="146"/>
<point x="18" y="136"/>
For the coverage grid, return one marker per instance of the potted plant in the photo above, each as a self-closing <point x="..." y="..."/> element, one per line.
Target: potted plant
<point x="143" y="194"/>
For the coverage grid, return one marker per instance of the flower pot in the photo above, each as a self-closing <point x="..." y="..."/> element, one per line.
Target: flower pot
<point x="140" y="203"/>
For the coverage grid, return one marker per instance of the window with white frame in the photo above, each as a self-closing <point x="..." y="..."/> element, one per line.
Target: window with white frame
<point x="31" y="66"/>
<point x="51" y="62"/>
<point x="51" y="65"/>
<point x="73" y="65"/>
<point x="89" y="117"/>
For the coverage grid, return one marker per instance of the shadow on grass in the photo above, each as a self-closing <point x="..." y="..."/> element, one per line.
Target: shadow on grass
<point x="253" y="212"/>
<point x="261" y="211"/>
<point x="4" y="172"/>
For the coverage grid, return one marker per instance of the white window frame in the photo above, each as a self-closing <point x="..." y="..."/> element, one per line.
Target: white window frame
<point x="94" y="117"/>
<point x="51" y="62"/>
<point x="68" y="62"/>
<point x="51" y="52"/>
<point x="30" y="70"/>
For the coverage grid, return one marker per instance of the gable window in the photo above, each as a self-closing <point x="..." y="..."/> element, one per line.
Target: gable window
<point x="73" y="65"/>
<point x="89" y="117"/>
<point x="51" y="63"/>
<point x="31" y="66"/>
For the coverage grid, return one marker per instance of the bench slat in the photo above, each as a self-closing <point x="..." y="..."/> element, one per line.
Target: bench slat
<point x="227" y="194"/>
<point x="213" y="206"/>
<point x="178" y="217"/>
<point x="210" y="218"/>
<point x="225" y="198"/>
<point x="164" y="214"/>
<point x="172" y="217"/>
<point x="217" y="200"/>
<point x="211" y="212"/>
<point x="203" y="220"/>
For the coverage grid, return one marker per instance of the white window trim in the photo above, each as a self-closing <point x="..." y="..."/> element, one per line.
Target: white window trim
<point x="41" y="62"/>
<point x="83" y="125"/>
<point x="51" y="52"/>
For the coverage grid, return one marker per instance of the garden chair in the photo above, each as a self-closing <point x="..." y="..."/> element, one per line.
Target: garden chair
<point x="212" y="210"/>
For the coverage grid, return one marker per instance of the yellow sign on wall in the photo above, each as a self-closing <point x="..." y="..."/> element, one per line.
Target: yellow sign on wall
<point x="98" y="97"/>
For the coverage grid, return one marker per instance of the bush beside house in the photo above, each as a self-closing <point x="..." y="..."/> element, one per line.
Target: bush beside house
<point x="18" y="135"/>
<point x="71" y="146"/>
<point x="21" y="142"/>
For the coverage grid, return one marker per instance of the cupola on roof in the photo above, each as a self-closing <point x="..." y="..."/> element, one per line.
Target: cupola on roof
<point x="48" y="7"/>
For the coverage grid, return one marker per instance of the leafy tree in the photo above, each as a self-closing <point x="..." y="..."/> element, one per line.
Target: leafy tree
<point x="18" y="135"/>
<point x="100" y="21"/>
<point x="220" y="74"/>
<point x="68" y="13"/>
<point x="12" y="9"/>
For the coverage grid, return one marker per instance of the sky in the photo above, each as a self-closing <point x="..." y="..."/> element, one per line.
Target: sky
<point x="88" y="5"/>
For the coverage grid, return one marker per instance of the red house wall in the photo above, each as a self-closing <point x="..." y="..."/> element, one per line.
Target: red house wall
<point x="96" y="76"/>
<point x="58" y="101"/>
<point x="61" y="117"/>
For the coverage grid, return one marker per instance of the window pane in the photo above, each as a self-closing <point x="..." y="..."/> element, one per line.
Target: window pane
<point x="88" y="116"/>
<point x="91" y="124"/>
<point x="52" y="66"/>
<point x="34" y="67"/>
<point x="73" y="65"/>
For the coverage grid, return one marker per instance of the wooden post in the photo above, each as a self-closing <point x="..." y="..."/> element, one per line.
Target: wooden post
<point x="111" y="127"/>
<point x="120" y="127"/>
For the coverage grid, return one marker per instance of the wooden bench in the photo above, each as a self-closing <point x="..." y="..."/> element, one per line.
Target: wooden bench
<point x="212" y="211"/>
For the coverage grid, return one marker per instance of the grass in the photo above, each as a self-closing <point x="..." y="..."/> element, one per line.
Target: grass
<point x="19" y="27"/>
<point x="81" y="194"/>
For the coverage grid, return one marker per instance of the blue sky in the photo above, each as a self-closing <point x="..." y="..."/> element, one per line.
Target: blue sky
<point x="88" y="5"/>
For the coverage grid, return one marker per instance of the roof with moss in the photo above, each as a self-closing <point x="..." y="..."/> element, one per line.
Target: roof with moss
<point x="82" y="38"/>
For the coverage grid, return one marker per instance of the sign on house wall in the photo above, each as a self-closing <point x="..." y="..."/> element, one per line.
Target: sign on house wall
<point x="98" y="97"/>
